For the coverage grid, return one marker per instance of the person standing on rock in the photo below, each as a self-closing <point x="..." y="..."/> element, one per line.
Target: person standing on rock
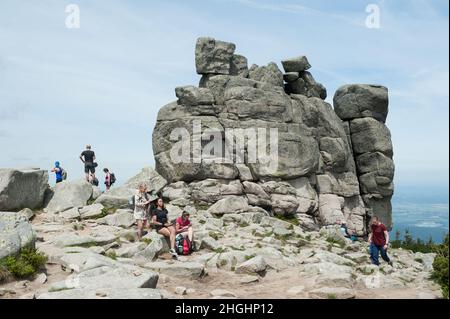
<point x="88" y="158"/>
<point x="58" y="172"/>
<point x="141" y="203"/>
<point x="160" y="222"/>
<point x="379" y="242"/>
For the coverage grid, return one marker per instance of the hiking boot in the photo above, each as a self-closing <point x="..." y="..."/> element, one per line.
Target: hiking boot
<point x="390" y="263"/>
<point x="173" y="253"/>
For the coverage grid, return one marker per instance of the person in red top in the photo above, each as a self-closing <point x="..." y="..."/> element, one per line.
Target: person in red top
<point x="379" y="241"/>
<point x="183" y="226"/>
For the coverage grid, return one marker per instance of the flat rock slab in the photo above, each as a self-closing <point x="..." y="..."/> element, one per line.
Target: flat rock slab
<point x="103" y="293"/>
<point x="177" y="269"/>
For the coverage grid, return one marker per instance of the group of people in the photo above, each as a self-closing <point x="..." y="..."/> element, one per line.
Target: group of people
<point x="150" y="212"/>
<point x="88" y="158"/>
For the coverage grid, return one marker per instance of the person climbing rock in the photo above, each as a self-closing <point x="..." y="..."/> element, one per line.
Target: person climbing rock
<point x="379" y="241"/>
<point x="88" y="158"/>
<point x="162" y="225"/>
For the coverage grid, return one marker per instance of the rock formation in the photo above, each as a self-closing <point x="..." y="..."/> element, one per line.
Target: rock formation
<point x="330" y="164"/>
<point x="22" y="188"/>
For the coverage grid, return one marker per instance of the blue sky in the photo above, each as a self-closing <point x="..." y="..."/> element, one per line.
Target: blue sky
<point x="104" y="83"/>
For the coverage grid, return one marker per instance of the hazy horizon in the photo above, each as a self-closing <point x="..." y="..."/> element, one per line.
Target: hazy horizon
<point x="103" y="84"/>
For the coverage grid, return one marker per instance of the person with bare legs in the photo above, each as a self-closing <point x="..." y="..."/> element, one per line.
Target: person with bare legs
<point x="162" y="225"/>
<point x="88" y="158"/>
<point x="141" y="203"/>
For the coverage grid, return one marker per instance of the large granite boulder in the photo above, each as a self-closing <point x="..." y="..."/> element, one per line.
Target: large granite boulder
<point x="69" y="194"/>
<point x="255" y="138"/>
<point x="22" y="188"/>
<point x="15" y="233"/>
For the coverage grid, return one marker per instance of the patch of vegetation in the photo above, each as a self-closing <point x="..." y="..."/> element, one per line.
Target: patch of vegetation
<point x="248" y="257"/>
<point x="25" y="265"/>
<point x="308" y="237"/>
<point x="333" y="241"/>
<point x="90" y="201"/>
<point x="202" y="221"/>
<point x="147" y="241"/>
<point x="215" y="235"/>
<point x="111" y="254"/>
<point x="440" y="266"/>
<point x="223" y="262"/>
<point x="289" y="218"/>
<point x="219" y="250"/>
<point x="415" y="245"/>
<point x="258" y="245"/>
<point x="244" y="224"/>
<point x="331" y="296"/>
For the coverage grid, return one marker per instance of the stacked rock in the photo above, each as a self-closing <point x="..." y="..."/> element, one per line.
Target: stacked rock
<point x="299" y="80"/>
<point x="365" y="108"/>
<point x="315" y="177"/>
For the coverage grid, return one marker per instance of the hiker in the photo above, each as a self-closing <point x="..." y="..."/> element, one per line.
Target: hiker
<point x="379" y="242"/>
<point x="58" y="172"/>
<point x="162" y="225"/>
<point x="110" y="178"/>
<point x="183" y="226"/>
<point x="88" y="158"/>
<point x="346" y="232"/>
<point x="141" y="203"/>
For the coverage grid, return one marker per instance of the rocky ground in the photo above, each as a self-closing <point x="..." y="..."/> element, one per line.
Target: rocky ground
<point x="248" y="255"/>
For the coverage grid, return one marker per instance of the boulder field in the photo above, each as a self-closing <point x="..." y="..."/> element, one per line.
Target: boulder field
<point x="264" y="218"/>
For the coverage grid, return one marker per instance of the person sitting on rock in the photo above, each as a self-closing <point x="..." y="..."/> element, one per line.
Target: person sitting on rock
<point x="346" y="232"/>
<point x="141" y="203"/>
<point x="58" y="172"/>
<point x="183" y="226"/>
<point x="160" y="222"/>
<point x="379" y="241"/>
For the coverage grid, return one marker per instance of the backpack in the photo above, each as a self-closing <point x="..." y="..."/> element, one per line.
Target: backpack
<point x="63" y="174"/>
<point x="183" y="245"/>
<point x="95" y="181"/>
<point x="112" y="178"/>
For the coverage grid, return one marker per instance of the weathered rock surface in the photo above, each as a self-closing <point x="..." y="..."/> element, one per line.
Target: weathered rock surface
<point x="22" y="189"/>
<point x="15" y="233"/>
<point x="69" y="194"/>
<point x="205" y="144"/>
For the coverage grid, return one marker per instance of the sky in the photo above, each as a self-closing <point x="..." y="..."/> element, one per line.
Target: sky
<point x="103" y="83"/>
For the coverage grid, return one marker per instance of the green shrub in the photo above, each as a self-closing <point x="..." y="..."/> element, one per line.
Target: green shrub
<point x="111" y="254"/>
<point x="147" y="241"/>
<point x="289" y="218"/>
<point x="440" y="266"/>
<point x="25" y="265"/>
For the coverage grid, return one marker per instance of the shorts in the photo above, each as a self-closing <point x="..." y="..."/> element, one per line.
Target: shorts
<point x="140" y="215"/>
<point x="89" y="168"/>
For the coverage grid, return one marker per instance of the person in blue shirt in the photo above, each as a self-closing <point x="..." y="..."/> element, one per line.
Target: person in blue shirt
<point x="58" y="172"/>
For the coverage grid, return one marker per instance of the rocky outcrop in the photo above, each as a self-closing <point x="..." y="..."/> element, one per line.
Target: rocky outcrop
<point x="259" y="137"/>
<point x="119" y="196"/>
<point x="69" y="194"/>
<point x="22" y="188"/>
<point x="364" y="108"/>
<point x="15" y="233"/>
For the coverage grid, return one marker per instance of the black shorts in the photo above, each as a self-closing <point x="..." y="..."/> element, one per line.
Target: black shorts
<point x="89" y="168"/>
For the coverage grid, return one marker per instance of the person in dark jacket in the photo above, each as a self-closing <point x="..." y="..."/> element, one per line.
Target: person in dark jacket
<point x="160" y="221"/>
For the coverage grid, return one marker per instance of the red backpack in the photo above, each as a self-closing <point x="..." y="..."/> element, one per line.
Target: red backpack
<point x="183" y="245"/>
